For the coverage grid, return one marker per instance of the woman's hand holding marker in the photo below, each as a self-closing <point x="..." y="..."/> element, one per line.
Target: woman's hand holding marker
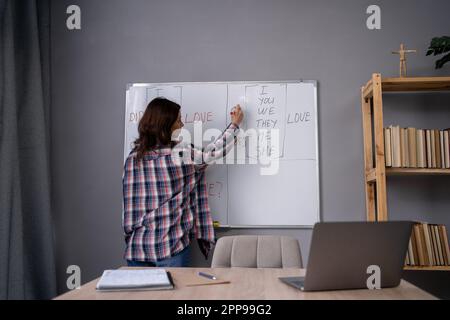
<point x="237" y="115"/>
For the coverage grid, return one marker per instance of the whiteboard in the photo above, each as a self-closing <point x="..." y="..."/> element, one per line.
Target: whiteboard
<point x="280" y="120"/>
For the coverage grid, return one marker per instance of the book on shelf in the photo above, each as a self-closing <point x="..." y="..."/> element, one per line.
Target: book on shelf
<point x="404" y="147"/>
<point x="420" y="256"/>
<point x="414" y="249"/>
<point x="396" y="155"/>
<point x="445" y="242"/>
<point x="412" y="147"/>
<point x="447" y="148"/>
<point x="428" y="147"/>
<point x="438" y="148"/>
<point x="410" y="255"/>
<point x="441" y="139"/>
<point x="435" y="251"/>
<point x="416" y="148"/>
<point x="433" y="149"/>
<point x="434" y="242"/>
<point x="388" y="146"/>
<point x="421" y="152"/>
<point x="440" y="258"/>
<point x="428" y="246"/>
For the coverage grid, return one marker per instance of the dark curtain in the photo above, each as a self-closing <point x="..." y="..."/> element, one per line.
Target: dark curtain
<point x="27" y="268"/>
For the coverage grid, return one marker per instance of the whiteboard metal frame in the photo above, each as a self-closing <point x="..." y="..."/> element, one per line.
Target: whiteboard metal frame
<point x="315" y="84"/>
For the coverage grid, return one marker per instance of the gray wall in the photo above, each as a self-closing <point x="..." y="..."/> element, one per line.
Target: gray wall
<point x="203" y="40"/>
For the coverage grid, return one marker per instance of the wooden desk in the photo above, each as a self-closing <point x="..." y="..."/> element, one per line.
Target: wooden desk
<point x="246" y="284"/>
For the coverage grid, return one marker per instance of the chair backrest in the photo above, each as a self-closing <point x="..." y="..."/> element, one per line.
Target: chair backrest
<point x="257" y="252"/>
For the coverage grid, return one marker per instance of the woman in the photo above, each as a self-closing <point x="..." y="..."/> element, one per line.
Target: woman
<point x="165" y="199"/>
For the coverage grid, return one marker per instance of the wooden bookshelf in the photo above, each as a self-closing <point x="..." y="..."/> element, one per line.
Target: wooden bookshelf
<point x="409" y="85"/>
<point x="415" y="172"/>
<point x="373" y="136"/>
<point x="430" y="268"/>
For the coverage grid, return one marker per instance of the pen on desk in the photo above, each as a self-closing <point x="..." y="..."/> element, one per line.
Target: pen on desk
<point x="207" y="276"/>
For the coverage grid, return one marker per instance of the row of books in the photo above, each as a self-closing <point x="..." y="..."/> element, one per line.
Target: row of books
<point x="417" y="148"/>
<point x="428" y="246"/>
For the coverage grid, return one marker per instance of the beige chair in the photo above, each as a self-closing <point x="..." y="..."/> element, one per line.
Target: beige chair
<point x="257" y="252"/>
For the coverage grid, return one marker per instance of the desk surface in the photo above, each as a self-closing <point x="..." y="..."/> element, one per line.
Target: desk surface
<point x="246" y="284"/>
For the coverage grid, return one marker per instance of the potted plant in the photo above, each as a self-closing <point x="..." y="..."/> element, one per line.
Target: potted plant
<point x="438" y="46"/>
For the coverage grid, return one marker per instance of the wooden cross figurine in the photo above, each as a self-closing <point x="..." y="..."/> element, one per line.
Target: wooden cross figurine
<point x="402" y="52"/>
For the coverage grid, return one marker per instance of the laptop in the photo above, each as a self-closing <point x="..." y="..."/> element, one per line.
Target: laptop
<point x="341" y="253"/>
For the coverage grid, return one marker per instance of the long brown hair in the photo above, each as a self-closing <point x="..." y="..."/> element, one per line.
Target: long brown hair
<point x="155" y="127"/>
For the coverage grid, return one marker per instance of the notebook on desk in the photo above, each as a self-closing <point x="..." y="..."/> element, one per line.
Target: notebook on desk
<point x="135" y="280"/>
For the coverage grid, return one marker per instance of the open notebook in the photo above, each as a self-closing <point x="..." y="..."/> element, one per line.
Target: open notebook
<point x="130" y="280"/>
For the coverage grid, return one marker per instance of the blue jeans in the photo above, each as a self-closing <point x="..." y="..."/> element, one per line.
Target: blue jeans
<point x="179" y="260"/>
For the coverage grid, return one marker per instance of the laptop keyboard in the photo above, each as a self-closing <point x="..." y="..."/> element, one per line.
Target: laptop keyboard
<point x="297" y="283"/>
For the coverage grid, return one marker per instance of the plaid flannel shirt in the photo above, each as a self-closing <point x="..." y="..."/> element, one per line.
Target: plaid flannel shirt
<point x="166" y="201"/>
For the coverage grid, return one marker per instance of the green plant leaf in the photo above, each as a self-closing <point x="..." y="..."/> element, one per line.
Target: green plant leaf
<point x="440" y="63"/>
<point x="438" y="46"/>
